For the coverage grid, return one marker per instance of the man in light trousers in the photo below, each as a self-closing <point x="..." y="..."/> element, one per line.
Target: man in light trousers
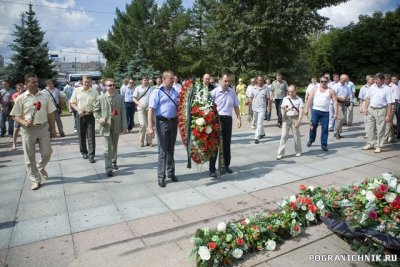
<point x="260" y="97"/>
<point x="141" y="98"/>
<point x="362" y="97"/>
<point x="292" y="113"/>
<point x="389" y="131"/>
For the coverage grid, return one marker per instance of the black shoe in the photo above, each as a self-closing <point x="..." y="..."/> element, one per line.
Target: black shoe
<point x="256" y="141"/>
<point x="62" y="135"/>
<point x="309" y="143"/>
<point x="213" y="174"/>
<point x="229" y="170"/>
<point x="324" y="148"/>
<point x="262" y="136"/>
<point x="91" y="160"/>
<point x="115" y="167"/>
<point x="109" y="173"/>
<point x="161" y="183"/>
<point x="173" y="177"/>
<point x="85" y="156"/>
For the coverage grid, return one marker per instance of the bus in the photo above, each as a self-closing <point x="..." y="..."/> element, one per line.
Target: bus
<point x="73" y="78"/>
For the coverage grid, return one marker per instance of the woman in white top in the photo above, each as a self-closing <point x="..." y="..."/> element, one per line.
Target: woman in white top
<point x="320" y="111"/>
<point x="292" y="113"/>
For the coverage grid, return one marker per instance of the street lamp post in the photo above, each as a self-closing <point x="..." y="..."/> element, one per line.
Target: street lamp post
<point x="75" y="60"/>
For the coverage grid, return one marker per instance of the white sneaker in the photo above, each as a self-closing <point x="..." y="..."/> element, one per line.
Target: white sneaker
<point x="366" y="136"/>
<point x="279" y="157"/>
<point x="298" y="155"/>
<point x="378" y="150"/>
<point x="367" y="147"/>
<point x="75" y="131"/>
<point x="35" y="186"/>
<point x="252" y="127"/>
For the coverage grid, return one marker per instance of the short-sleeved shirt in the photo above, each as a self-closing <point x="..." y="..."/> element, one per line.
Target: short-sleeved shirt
<point x="352" y="89"/>
<point x="7" y="94"/>
<point x="395" y="91"/>
<point x="127" y="93"/>
<point x="225" y="101"/>
<point x="332" y="84"/>
<point x="341" y="90"/>
<point x="68" y="89"/>
<point x="162" y="104"/>
<point x="297" y="102"/>
<point x="379" y="97"/>
<point x="24" y="107"/>
<point x="14" y="96"/>
<point x="84" y="99"/>
<point x="177" y="87"/>
<point x="144" y="95"/>
<point x="55" y="93"/>
<point x="310" y="87"/>
<point x="279" y="89"/>
<point x="260" y="96"/>
<point x="363" y="92"/>
<point x="249" y="88"/>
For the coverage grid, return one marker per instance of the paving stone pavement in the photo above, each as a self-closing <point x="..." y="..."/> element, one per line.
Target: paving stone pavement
<point x="82" y="217"/>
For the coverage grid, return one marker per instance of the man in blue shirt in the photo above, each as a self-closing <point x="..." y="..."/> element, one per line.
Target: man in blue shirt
<point x="342" y="95"/>
<point x="127" y="95"/>
<point x="163" y="104"/>
<point x="348" y="115"/>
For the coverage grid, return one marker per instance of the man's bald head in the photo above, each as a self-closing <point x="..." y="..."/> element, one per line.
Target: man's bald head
<point x="206" y="79"/>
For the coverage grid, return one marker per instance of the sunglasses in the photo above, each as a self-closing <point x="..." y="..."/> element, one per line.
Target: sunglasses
<point x="110" y="85"/>
<point x="323" y="81"/>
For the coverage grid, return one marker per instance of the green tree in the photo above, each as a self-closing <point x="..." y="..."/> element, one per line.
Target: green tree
<point x="371" y="45"/>
<point x="30" y="52"/>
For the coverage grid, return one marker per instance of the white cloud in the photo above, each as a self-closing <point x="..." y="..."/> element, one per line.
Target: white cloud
<point x="343" y="14"/>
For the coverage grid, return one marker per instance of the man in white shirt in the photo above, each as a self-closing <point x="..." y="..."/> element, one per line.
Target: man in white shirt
<point x="378" y="103"/>
<point x="292" y="113"/>
<point x="331" y="108"/>
<point x="362" y="97"/>
<point x="313" y="84"/>
<point x="260" y="97"/>
<point x="58" y="102"/>
<point x="177" y="85"/>
<point x="141" y="98"/>
<point x="389" y="132"/>
<point x="248" y="90"/>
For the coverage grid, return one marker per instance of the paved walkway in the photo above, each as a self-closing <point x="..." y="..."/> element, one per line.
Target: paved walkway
<point x="82" y="217"/>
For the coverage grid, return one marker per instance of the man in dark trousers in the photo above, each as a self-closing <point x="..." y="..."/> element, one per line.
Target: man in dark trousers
<point x="163" y="104"/>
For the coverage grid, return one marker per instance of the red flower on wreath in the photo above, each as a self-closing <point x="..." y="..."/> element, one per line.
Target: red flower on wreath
<point x="203" y="137"/>
<point x="386" y="210"/>
<point x="239" y="241"/>
<point x="293" y="205"/>
<point x="312" y="208"/>
<point x="296" y="228"/>
<point x="212" y="245"/>
<point x="307" y="200"/>
<point x="209" y="143"/>
<point x="194" y="110"/>
<point x="302" y="187"/>
<point x="378" y="194"/>
<point x="395" y="204"/>
<point x="201" y="113"/>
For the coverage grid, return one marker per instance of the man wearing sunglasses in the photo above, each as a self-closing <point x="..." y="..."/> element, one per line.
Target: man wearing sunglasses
<point x="109" y="111"/>
<point x="320" y="112"/>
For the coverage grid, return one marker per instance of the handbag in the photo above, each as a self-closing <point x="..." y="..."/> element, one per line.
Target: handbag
<point x="55" y="102"/>
<point x="347" y="103"/>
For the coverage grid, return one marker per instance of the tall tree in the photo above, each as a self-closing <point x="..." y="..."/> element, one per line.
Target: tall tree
<point x="30" y="52"/>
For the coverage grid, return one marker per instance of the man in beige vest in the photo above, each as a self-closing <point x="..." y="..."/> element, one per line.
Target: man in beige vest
<point x="109" y="111"/>
<point x="35" y="128"/>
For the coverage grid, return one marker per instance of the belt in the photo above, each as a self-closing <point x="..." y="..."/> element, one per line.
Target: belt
<point x="165" y="119"/>
<point x="225" y="116"/>
<point x="293" y="117"/>
<point x="37" y="125"/>
<point x="376" y="108"/>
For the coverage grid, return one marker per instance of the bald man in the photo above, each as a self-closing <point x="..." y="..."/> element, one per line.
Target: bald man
<point x="206" y="82"/>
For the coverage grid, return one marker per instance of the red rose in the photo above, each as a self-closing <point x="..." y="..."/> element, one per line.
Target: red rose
<point x="296" y="228"/>
<point x="179" y="108"/>
<point x="181" y="92"/>
<point x="312" y="208"/>
<point x="239" y="242"/>
<point x="212" y="245"/>
<point x="115" y="112"/>
<point x="299" y="199"/>
<point x="209" y="143"/>
<point x="386" y="210"/>
<point x="255" y="227"/>
<point x="211" y="114"/>
<point x="194" y="110"/>
<point x="307" y="200"/>
<point x="293" y="205"/>
<point x="378" y="194"/>
<point x="384" y="188"/>
<point x="180" y="125"/>
<point x="287" y="106"/>
<point x="204" y="129"/>
<point x="216" y="126"/>
<point x="189" y="81"/>
<point x="292" y="107"/>
<point x="180" y="119"/>
<point x="302" y="187"/>
<point x="243" y="222"/>
<point x="201" y="113"/>
<point x="35" y="104"/>
<point x="203" y="137"/>
<point x="355" y="187"/>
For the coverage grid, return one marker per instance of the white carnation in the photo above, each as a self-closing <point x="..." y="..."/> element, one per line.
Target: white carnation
<point x="204" y="253"/>
<point x="370" y="196"/>
<point x="247" y="221"/>
<point x="284" y="203"/>
<point x="292" y="198"/>
<point x="221" y="227"/>
<point x="390" y="197"/>
<point x="393" y="183"/>
<point x="377" y="182"/>
<point x="311" y="188"/>
<point x="320" y="204"/>
<point x="363" y="192"/>
<point x="200" y="121"/>
<point x="310" y="216"/>
<point x="270" y="245"/>
<point x="387" y="176"/>
<point x="303" y="207"/>
<point x="237" y="253"/>
<point x="208" y="130"/>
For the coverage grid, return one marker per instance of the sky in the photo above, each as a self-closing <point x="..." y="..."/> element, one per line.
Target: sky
<point x="74" y="25"/>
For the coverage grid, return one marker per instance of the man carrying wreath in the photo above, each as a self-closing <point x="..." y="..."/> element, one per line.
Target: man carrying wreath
<point x="32" y="110"/>
<point x="109" y="111"/>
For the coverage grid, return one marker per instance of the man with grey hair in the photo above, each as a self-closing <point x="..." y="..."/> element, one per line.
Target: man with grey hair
<point x="389" y="132"/>
<point x="206" y="82"/>
<point x="378" y="104"/>
<point x="342" y="95"/>
<point x="362" y="97"/>
<point x="260" y="97"/>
